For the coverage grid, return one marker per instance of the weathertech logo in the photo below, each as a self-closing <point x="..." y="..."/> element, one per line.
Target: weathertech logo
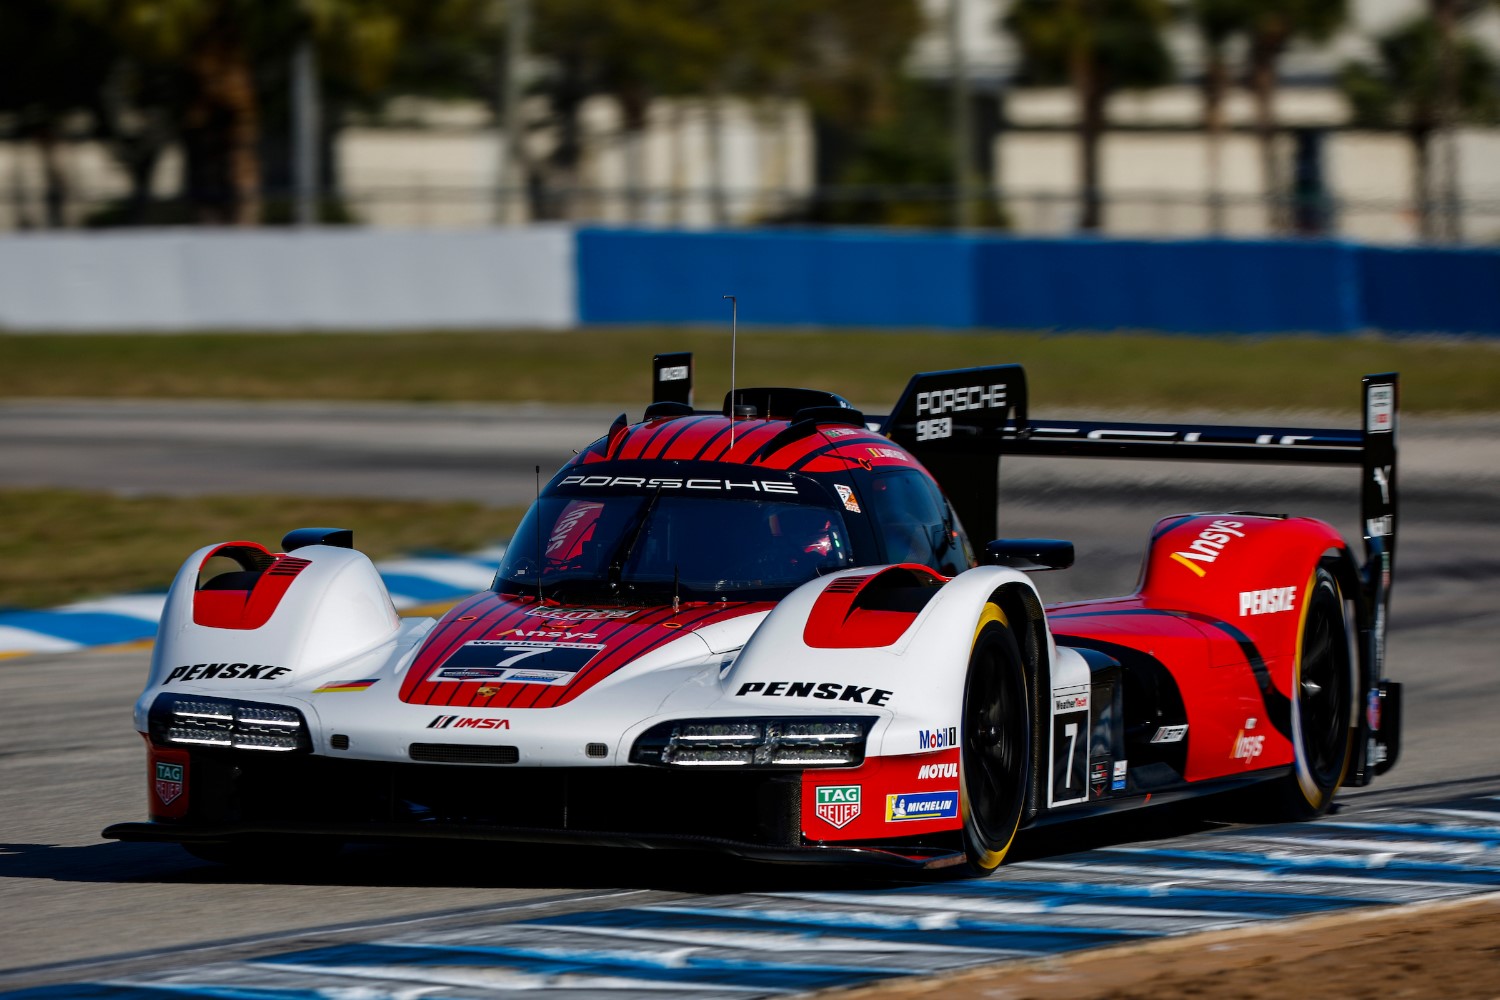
<point x="837" y="805"/>
<point x="460" y="722"/>
<point x="1209" y="543"/>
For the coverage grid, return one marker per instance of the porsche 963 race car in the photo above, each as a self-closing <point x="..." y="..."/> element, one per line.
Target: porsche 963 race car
<point x="763" y="629"/>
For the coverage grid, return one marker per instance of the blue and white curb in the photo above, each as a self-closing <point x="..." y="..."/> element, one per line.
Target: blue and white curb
<point x="430" y="578"/>
<point x="773" y="944"/>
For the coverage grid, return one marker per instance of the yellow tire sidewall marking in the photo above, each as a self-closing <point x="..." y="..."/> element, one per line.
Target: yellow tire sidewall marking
<point x="1315" y="796"/>
<point x="991" y="859"/>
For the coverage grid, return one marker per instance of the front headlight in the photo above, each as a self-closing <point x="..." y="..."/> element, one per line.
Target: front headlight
<point x="794" y="742"/>
<point x="192" y="720"/>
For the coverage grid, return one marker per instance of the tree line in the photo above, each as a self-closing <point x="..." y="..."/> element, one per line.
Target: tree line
<point x="213" y="77"/>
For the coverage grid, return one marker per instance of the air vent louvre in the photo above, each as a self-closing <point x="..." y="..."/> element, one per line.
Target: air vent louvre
<point x="464" y="753"/>
<point x="845" y="584"/>
<point x="288" y="566"/>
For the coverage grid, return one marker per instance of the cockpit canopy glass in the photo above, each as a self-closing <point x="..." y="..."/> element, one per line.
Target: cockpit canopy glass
<point x="648" y="546"/>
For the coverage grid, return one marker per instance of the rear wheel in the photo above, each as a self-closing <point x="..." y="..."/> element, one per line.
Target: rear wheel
<point x="1322" y="709"/>
<point x="995" y="748"/>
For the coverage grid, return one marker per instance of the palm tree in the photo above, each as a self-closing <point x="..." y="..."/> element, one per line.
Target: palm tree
<point x="1098" y="47"/>
<point x="1217" y="21"/>
<point x="1407" y="88"/>
<point x="218" y="45"/>
<point x="1272" y="27"/>
<point x="52" y="65"/>
<point x="631" y="50"/>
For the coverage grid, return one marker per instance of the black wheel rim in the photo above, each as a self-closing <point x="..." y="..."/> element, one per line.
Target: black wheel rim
<point x="1323" y="695"/>
<point x="994" y="747"/>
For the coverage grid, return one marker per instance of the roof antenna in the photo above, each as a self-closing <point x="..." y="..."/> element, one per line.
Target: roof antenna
<point x="541" y="557"/>
<point x="734" y="323"/>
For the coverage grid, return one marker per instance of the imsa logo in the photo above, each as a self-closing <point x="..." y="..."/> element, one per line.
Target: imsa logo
<point x="837" y="805"/>
<point x="463" y="722"/>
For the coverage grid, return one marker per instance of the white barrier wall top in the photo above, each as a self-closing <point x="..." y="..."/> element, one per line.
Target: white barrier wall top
<point x="287" y="279"/>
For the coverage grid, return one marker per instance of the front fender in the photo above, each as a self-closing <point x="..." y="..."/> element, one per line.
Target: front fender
<point x="916" y="680"/>
<point x="335" y="609"/>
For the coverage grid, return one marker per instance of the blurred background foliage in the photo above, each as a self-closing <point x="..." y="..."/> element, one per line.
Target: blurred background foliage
<point x="213" y="77"/>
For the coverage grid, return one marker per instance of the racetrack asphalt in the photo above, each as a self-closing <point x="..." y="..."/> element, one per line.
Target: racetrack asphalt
<point x="70" y="764"/>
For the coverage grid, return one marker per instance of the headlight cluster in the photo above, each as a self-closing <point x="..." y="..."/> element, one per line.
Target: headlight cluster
<point x="792" y="742"/>
<point x="190" y="720"/>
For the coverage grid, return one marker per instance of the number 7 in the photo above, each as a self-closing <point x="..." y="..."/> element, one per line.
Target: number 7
<point x="1070" y="731"/>
<point x="518" y="657"/>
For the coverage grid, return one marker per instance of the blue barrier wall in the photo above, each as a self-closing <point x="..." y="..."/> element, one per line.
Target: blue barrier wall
<point x="1209" y="286"/>
<point x="852" y="278"/>
<point x="1424" y="290"/>
<point x="780" y="277"/>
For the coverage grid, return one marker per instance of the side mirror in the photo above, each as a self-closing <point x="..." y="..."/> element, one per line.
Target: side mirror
<point x="1029" y="554"/>
<point x="342" y="538"/>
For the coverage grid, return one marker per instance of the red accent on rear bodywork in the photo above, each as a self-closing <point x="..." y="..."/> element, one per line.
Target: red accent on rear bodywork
<point x="250" y="608"/>
<point x="837" y="620"/>
<point x="1189" y="617"/>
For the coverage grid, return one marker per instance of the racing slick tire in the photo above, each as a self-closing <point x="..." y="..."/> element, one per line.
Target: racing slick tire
<point x="995" y="745"/>
<point x="1322" y="710"/>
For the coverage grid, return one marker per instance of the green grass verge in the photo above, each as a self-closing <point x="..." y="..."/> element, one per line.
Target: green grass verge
<point x="65" y="545"/>
<point x="1104" y="371"/>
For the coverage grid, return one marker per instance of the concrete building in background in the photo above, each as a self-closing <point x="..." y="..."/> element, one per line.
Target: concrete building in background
<point x="425" y="165"/>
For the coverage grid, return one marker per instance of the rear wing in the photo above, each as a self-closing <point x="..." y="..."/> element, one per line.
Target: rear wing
<point x="959" y="423"/>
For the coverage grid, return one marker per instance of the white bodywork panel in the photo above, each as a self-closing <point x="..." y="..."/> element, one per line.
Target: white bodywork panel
<point x="336" y="623"/>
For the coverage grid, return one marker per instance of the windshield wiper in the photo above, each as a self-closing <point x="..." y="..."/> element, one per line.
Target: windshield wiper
<point x="627" y="548"/>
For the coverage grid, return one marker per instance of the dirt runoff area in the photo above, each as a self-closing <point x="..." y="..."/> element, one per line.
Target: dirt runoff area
<point x="1439" y="950"/>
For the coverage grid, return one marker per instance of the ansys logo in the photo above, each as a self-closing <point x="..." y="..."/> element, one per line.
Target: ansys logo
<point x="837" y="805"/>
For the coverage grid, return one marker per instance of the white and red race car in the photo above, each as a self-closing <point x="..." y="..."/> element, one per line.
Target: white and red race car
<point x="763" y="629"/>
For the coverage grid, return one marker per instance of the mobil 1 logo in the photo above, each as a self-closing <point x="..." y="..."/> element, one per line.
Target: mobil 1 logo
<point x="1070" y="746"/>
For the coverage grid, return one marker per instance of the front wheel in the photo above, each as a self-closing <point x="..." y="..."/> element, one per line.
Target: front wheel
<point x="995" y="749"/>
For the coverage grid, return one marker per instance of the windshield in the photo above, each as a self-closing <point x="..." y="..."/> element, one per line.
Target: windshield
<point x="646" y="547"/>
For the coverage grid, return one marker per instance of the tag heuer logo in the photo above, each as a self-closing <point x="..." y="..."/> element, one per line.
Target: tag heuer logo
<point x="837" y="805"/>
<point x="168" y="782"/>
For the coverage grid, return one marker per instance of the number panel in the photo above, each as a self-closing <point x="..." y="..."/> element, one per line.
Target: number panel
<point x="1070" y="747"/>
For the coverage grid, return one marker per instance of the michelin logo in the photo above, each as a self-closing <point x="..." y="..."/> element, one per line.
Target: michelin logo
<point x="917" y="805"/>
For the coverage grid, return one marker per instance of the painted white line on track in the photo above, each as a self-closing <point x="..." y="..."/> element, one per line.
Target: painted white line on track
<point x="146" y="607"/>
